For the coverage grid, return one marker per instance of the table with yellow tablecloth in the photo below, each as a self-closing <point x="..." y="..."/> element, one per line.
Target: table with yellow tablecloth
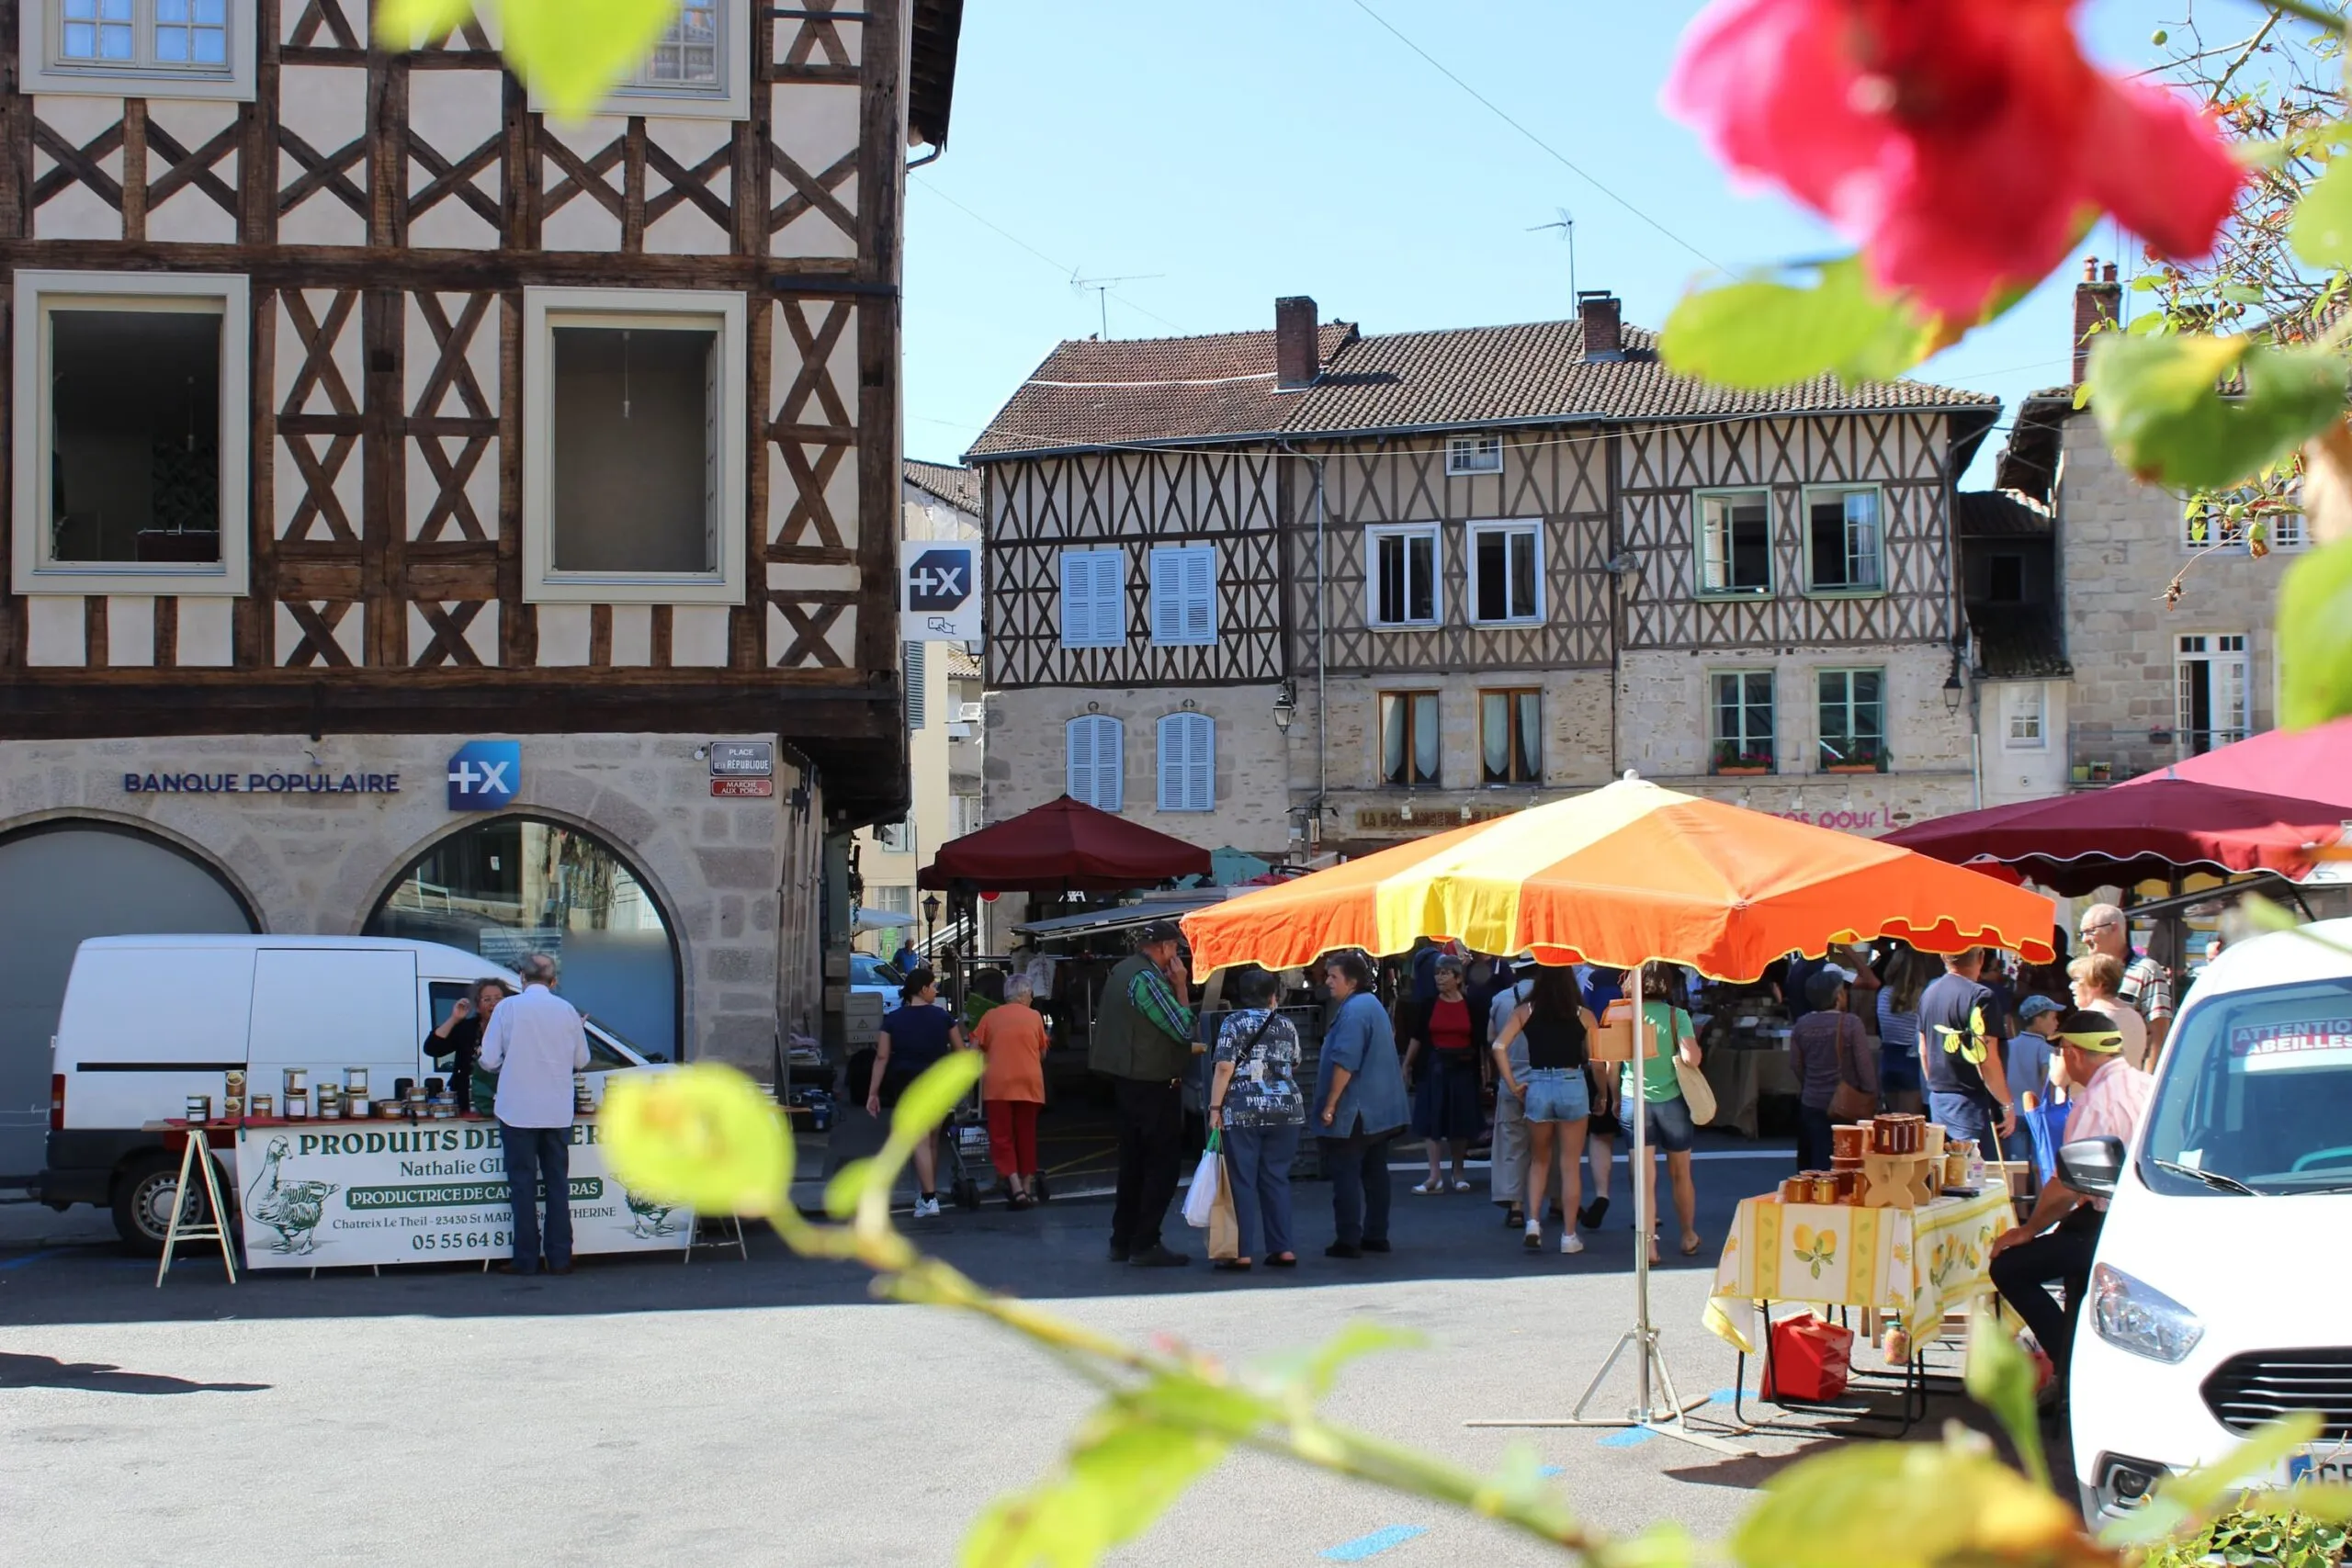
<point x="1916" y="1263"/>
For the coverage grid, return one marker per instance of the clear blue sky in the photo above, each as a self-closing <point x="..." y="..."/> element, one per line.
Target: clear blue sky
<point x="1246" y="148"/>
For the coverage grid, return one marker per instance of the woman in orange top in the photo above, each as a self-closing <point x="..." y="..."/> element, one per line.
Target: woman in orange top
<point x="1014" y="1038"/>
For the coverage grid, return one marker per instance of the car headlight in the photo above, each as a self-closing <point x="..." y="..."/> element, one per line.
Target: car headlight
<point x="2133" y="1316"/>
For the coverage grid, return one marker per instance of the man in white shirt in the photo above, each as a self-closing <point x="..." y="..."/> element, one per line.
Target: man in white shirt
<point x="534" y="1043"/>
<point x="2109" y="1098"/>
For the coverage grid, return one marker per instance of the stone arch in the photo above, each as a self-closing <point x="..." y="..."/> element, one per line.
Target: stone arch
<point x="69" y="817"/>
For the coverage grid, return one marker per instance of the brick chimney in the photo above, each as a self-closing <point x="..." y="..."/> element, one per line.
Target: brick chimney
<point x="2098" y="297"/>
<point x="1297" y="357"/>
<point x="1600" y="316"/>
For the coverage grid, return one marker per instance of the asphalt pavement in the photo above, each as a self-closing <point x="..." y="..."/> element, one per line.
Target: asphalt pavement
<point x="650" y="1412"/>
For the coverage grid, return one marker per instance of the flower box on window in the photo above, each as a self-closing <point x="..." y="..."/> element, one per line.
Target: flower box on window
<point x="1854" y="757"/>
<point x="1732" y="763"/>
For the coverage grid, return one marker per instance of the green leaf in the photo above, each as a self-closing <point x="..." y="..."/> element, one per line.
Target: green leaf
<point x="1122" y="1473"/>
<point x="1762" y="332"/>
<point x="847" y="1186"/>
<point x="1909" y="1505"/>
<point x="2159" y="400"/>
<point x="2001" y="1377"/>
<point x="2322" y="231"/>
<point x="570" y="51"/>
<point x="1312" y="1372"/>
<point x="928" y="1099"/>
<point x="2315" y="638"/>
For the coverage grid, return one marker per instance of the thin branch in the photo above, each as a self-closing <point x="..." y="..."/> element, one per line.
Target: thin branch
<point x="2243" y="55"/>
<point x="2318" y="15"/>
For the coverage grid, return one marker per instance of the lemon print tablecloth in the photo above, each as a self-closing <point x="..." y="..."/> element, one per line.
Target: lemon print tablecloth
<point x="1920" y="1263"/>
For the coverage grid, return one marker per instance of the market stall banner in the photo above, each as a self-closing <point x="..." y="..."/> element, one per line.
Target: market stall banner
<point x="1920" y="1263"/>
<point x="313" y="1195"/>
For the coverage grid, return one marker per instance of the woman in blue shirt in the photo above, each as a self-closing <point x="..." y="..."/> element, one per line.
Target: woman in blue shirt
<point x="916" y="1034"/>
<point x="1898" y="1032"/>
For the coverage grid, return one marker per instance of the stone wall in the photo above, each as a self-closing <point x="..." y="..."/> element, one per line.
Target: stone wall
<point x="2120" y="545"/>
<point x="1027" y="765"/>
<point x="317" y="863"/>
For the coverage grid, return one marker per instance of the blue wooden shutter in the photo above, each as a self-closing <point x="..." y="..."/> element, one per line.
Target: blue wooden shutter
<point x="1187" y="762"/>
<point x="1093" y="761"/>
<point x="1093" y="598"/>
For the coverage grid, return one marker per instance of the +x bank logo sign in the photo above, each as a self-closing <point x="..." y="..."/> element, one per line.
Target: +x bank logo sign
<point x="484" y="774"/>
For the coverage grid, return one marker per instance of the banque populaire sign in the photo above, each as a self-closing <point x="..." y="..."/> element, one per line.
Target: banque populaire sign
<point x="314" y="782"/>
<point x="315" y="1196"/>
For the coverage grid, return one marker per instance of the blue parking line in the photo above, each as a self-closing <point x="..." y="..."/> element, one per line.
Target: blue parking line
<point x="1376" y="1543"/>
<point x="1550" y="1471"/>
<point x="34" y="1257"/>
<point x="1631" y="1437"/>
<point x="1724" y="1396"/>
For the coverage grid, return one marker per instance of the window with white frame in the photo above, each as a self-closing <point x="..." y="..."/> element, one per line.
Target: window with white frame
<point x="1844" y="537"/>
<point x="1094" y="598"/>
<point x="633" y="471"/>
<point x="895" y="898"/>
<point x="1506" y="571"/>
<point x="896" y="838"/>
<point x="201" y="48"/>
<point x="1473" y="455"/>
<point x="2025" y="717"/>
<point x="1853" y="712"/>
<point x="2212" y="676"/>
<point x="130" y="441"/>
<point x="1734" y="541"/>
<point x="1511" y="736"/>
<point x="2209" y="525"/>
<point x="700" y="68"/>
<point x="1094" y="752"/>
<point x="1408" y="739"/>
<point x="1402" y="575"/>
<point x="1188" y="762"/>
<point x="1742" y="722"/>
<point x="1183" y="594"/>
<point x="966" y="814"/>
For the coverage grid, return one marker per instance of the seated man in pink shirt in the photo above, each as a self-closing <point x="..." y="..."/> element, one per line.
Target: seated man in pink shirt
<point x="2058" y="1239"/>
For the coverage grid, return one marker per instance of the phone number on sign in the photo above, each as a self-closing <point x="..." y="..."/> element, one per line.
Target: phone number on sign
<point x="459" y="1241"/>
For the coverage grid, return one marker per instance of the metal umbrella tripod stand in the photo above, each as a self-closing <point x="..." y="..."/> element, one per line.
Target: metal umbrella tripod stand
<point x="1652" y="1377"/>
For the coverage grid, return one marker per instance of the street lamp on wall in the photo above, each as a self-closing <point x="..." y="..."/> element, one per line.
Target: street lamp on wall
<point x="1954" y="691"/>
<point x="930" y="917"/>
<point x="1285" y="707"/>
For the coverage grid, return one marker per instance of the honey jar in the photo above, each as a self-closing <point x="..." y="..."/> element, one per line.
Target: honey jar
<point x="1851" y="1142"/>
<point x="262" y="1107"/>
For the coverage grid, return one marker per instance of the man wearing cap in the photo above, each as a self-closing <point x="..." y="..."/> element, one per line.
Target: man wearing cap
<point x="2146" y="986"/>
<point x="1143" y="1042"/>
<point x="2058" y="1239"/>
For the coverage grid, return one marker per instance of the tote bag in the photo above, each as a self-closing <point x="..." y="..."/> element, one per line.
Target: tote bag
<point x="1852" y="1102"/>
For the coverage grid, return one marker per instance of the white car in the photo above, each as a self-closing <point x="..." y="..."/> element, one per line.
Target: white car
<point x="869" y="974"/>
<point x="2221" y="1293"/>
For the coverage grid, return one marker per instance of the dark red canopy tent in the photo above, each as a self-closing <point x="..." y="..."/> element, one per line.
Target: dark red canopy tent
<point x="1062" y="847"/>
<point x="2075" y="843"/>
<point x="2309" y="765"/>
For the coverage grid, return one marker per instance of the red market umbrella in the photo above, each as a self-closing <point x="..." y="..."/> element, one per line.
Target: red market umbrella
<point x="2075" y="843"/>
<point x="1063" y="847"/>
<point x="2310" y="764"/>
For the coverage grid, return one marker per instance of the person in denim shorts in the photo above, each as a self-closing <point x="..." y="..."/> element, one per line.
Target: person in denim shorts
<point x="1558" y="1029"/>
<point x="1671" y="1131"/>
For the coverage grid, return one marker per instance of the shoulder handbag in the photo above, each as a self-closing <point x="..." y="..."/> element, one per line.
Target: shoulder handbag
<point x="1698" y="1094"/>
<point x="1851" y="1103"/>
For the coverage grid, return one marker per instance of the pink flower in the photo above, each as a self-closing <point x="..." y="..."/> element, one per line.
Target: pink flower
<point x="1965" y="144"/>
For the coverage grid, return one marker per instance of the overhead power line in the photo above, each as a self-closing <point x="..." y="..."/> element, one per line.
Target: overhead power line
<point x="1067" y="271"/>
<point x="1558" y="156"/>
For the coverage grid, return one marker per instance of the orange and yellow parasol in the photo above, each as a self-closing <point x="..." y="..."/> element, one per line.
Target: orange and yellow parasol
<point x="1627" y="875"/>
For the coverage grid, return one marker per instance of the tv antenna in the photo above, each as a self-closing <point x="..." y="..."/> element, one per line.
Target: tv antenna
<point x="1566" y="225"/>
<point x="1102" y="287"/>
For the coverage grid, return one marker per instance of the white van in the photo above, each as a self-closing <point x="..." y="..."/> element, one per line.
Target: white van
<point x="2221" y="1295"/>
<point x="149" y="1020"/>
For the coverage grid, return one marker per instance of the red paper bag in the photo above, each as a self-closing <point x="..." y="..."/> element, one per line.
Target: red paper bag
<point x="1811" y="1361"/>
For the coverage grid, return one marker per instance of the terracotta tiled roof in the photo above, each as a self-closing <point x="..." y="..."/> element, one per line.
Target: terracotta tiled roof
<point x="959" y="488"/>
<point x="961" y="665"/>
<point x="1194" y="390"/>
<point x="2000" y="514"/>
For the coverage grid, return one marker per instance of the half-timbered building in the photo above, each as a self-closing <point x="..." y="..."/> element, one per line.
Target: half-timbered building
<point x="1316" y="589"/>
<point x="360" y="413"/>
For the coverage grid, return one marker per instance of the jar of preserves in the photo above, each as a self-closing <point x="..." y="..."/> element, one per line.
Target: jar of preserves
<point x="262" y="1107"/>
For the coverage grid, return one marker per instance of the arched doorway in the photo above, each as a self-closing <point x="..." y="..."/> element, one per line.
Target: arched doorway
<point x="61" y="882"/>
<point x="506" y="887"/>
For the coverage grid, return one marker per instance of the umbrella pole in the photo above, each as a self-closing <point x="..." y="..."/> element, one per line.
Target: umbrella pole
<point x="1651" y="1374"/>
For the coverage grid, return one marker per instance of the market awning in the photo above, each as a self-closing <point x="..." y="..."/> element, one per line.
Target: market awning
<point x="2305" y="764"/>
<point x="1063" y="847"/>
<point x="1126" y="917"/>
<point x="2076" y="843"/>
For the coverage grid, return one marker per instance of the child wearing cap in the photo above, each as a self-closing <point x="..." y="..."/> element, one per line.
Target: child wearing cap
<point x="2026" y="1056"/>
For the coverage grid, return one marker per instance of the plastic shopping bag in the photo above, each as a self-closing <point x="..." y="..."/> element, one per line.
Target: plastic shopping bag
<point x="1207" y="1179"/>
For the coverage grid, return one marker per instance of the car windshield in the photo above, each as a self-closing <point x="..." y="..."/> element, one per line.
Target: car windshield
<point x="2258" y="1088"/>
<point x="867" y="970"/>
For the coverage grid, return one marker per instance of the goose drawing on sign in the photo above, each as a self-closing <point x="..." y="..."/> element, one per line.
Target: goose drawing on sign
<point x="292" y="1209"/>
